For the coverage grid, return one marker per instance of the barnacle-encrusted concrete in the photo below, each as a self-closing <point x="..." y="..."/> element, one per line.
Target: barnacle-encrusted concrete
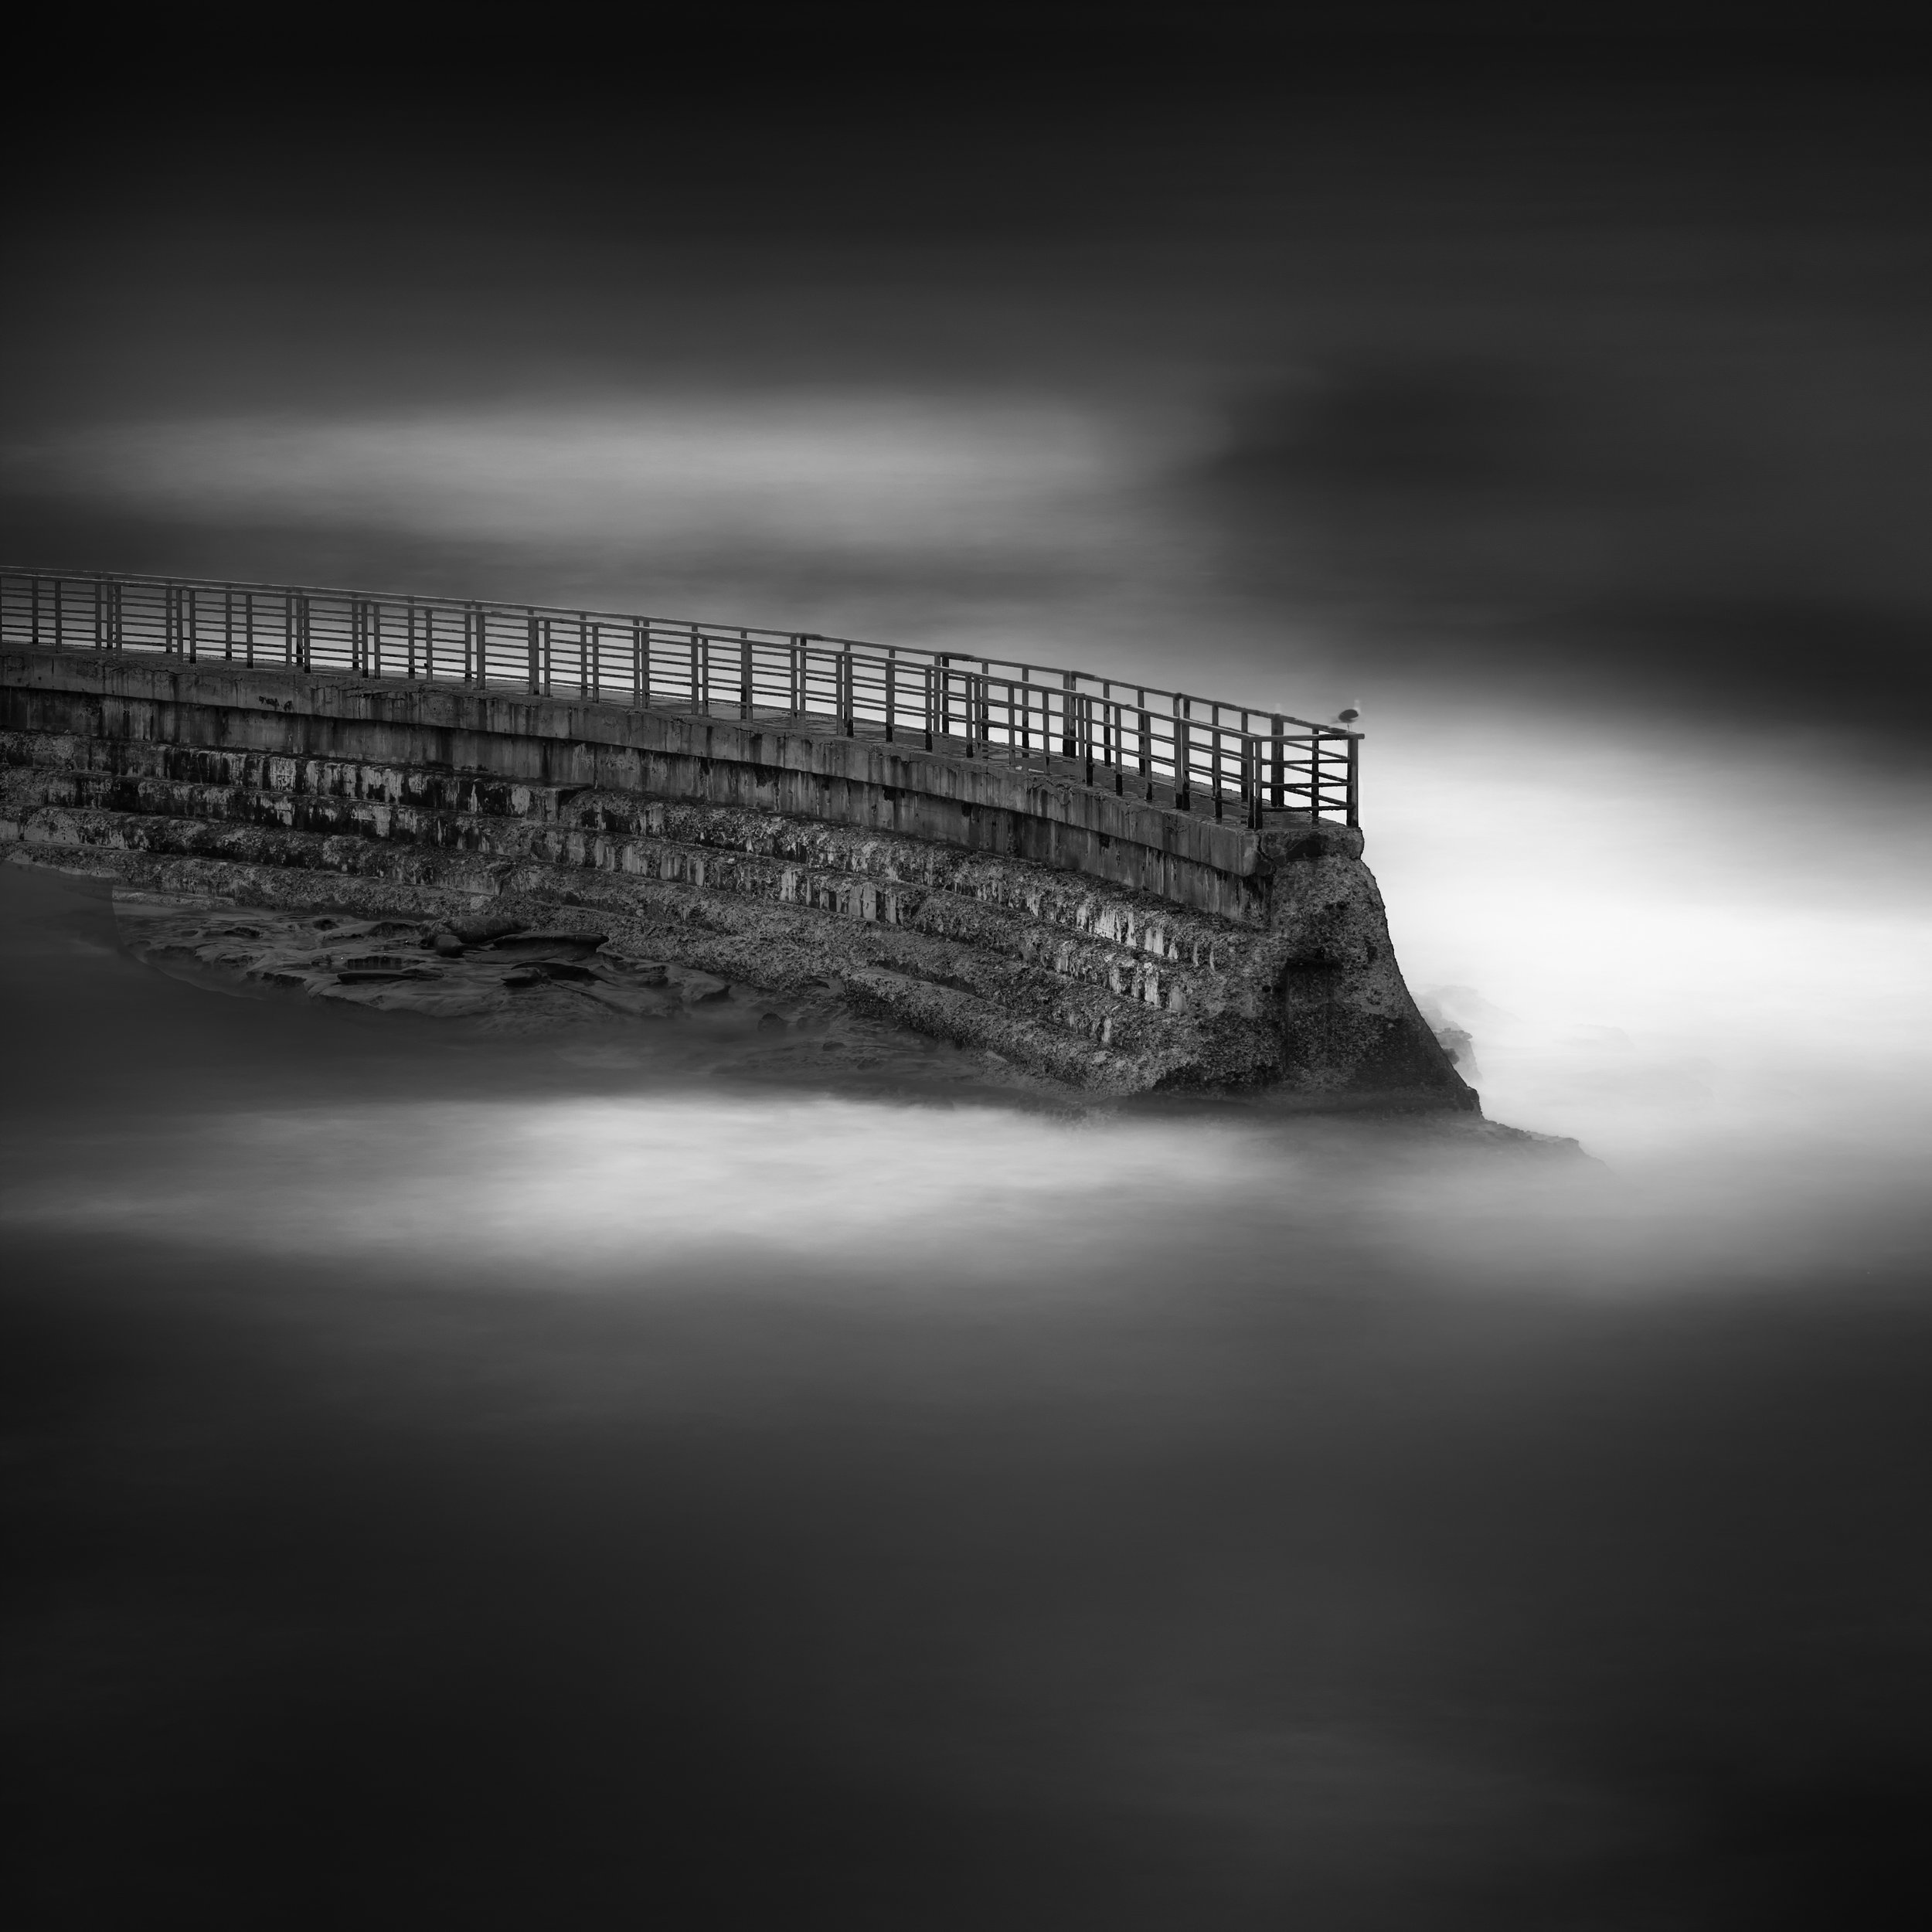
<point x="1110" y="943"/>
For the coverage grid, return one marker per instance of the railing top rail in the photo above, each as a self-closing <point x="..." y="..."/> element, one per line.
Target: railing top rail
<point x="735" y="633"/>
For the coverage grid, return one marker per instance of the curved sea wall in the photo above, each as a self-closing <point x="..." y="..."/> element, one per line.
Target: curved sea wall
<point x="1113" y="944"/>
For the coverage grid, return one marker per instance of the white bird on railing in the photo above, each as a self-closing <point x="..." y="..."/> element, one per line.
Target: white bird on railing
<point x="1346" y="716"/>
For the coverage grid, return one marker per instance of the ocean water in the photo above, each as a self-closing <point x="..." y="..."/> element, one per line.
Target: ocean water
<point x="582" y="1478"/>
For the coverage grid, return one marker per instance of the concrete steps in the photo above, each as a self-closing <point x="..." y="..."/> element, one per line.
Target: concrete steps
<point x="1136" y="922"/>
<point x="972" y="970"/>
<point x="1189" y="965"/>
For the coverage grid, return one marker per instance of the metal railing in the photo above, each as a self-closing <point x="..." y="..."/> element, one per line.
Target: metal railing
<point x="1168" y="747"/>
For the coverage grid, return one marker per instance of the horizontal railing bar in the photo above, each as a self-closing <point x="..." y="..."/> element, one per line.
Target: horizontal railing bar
<point x="774" y="639"/>
<point x="1139" y="739"/>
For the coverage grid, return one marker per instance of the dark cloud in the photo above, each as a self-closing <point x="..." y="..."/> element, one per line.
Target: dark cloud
<point x="1602" y="367"/>
<point x="1615" y="521"/>
<point x="1426" y="428"/>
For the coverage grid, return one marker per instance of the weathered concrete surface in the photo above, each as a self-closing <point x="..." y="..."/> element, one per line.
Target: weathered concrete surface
<point x="1108" y="944"/>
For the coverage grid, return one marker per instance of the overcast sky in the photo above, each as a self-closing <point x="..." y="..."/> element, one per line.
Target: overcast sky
<point x="1574" y="370"/>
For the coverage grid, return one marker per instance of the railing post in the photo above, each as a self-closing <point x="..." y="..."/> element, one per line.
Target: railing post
<point x="1093" y="726"/>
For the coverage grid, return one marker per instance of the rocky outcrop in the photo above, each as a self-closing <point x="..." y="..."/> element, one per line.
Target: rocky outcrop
<point x="1270" y="965"/>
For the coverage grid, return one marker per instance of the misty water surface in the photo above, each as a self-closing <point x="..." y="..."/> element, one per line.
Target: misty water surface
<point x="513" y="1479"/>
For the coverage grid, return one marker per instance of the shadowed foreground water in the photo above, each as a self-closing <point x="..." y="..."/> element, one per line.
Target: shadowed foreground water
<point x="546" y="1482"/>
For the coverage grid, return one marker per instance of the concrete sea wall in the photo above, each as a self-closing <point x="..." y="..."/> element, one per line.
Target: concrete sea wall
<point x="1102" y="941"/>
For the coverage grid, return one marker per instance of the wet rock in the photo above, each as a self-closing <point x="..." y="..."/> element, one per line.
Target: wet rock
<point x="534" y="945"/>
<point x="483" y="928"/>
<point x="1455" y="1042"/>
<point x="773" y="1023"/>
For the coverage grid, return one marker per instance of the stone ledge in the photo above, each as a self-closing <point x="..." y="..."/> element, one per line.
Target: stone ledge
<point x="859" y="781"/>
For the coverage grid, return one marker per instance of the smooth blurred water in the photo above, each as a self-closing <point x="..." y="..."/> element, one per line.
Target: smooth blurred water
<point x="535" y="1480"/>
